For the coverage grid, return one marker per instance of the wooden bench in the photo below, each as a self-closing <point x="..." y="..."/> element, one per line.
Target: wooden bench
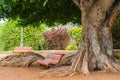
<point x="51" y="59"/>
<point x="23" y="49"/>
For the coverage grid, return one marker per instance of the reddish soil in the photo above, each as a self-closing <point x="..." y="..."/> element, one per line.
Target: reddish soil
<point x="33" y="73"/>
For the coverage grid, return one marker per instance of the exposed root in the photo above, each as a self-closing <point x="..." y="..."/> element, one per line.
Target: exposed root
<point x="56" y="72"/>
<point x="81" y="63"/>
<point x="112" y="66"/>
<point x="100" y="62"/>
<point x="21" y="60"/>
<point x="107" y="63"/>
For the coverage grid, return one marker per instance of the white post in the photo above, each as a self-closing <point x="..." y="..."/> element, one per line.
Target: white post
<point x="21" y="37"/>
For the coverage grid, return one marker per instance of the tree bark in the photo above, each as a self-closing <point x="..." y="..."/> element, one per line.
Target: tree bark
<point x="97" y="47"/>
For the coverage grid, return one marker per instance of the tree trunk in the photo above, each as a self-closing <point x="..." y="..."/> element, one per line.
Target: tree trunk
<point x="97" y="48"/>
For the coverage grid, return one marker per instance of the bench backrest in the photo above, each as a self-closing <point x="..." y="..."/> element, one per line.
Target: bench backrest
<point x="22" y="49"/>
<point x="54" y="58"/>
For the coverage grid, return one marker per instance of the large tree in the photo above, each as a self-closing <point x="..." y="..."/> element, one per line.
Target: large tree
<point x="97" y="18"/>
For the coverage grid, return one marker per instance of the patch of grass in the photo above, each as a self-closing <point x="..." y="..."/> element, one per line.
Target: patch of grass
<point x="75" y="74"/>
<point x="117" y="55"/>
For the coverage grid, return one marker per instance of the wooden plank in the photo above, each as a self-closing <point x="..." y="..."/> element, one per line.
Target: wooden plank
<point x="23" y="49"/>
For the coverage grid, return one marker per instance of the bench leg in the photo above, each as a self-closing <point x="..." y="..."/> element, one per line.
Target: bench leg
<point x="51" y="66"/>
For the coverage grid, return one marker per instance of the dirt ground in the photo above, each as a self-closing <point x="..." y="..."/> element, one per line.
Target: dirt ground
<point x="33" y="73"/>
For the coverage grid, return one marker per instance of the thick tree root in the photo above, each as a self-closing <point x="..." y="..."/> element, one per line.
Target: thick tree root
<point x="110" y="64"/>
<point x="101" y="62"/>
<point x="21" y="60"/>
<point x="81" y="63"/>
<point x="56" y="72"/>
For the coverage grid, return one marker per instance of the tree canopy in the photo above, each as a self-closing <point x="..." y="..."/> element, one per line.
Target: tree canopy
<point x="35" y="11"/>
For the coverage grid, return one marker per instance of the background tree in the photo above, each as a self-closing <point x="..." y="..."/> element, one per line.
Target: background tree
<point x="97" y="18"/>
<point x="35" y="11"/>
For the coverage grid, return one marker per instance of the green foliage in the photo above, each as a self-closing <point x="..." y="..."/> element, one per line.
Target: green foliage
<point x="33" y="36"/>
<point x="70" y="47"/>
<point x="116" y="33"/>
<point x="44" y="11"/>
<point x="10" y="36"/>
<point x="75" y="73"/>
<point x="76" y="34"/>
<point x="117" y="55"/>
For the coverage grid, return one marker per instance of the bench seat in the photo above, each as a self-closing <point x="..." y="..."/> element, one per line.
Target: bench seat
<point x="51" y="59"/>
<point x="23" y="49"/>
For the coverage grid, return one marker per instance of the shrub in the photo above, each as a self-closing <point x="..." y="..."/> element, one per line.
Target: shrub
<point x="56" y="39"/>
<point x="10" y="36"/>
<point x="116" y="33"/>
<point x="70" y="47"/>
<point x="76" y="34"/>
<point x="117" y="55"/>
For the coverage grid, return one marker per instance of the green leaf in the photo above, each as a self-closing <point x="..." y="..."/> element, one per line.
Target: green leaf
<point x="45" y="3"/>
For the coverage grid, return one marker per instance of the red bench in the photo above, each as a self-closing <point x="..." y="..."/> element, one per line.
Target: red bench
<point x="51" y="59"/>
<point x="23" y="49"/>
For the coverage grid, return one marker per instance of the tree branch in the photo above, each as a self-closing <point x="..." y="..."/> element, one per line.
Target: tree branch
<point x="84" y="4"/>
<point x="114" y="12"/>
<point x="77" y="2"/>
<point x="106" y="4"/>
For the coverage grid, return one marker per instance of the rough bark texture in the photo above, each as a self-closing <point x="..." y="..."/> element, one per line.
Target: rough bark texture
<point x="97" y="48"/>
<point x="28" y="59"/>
<point x="20" y="60"/>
